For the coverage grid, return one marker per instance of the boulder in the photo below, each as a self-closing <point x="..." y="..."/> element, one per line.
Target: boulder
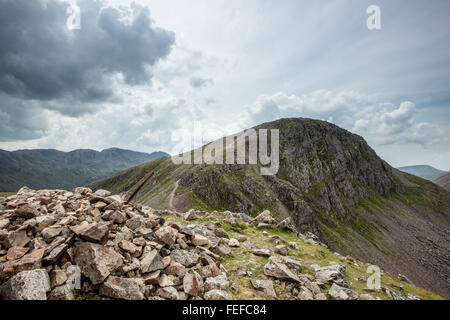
<point x="27" y="285"/>
<point x="166" y="235"/>
<point x="184" y="257"/>
<point x="276" y="268"/>
<point x="334" y="273"/>
<point x="337" y="292"/>
<point x="220" y="282"/>
<point x="95" y="261"/>
<point x="265" y="286"/>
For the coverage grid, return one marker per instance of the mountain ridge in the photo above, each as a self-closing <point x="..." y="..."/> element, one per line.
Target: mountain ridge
<point x="51" y="168"/>
<point x="424" y="171"/>
<point x="331" y="183"/>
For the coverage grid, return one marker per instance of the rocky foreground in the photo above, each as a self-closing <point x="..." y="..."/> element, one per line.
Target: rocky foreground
<point x="61" y="245"/>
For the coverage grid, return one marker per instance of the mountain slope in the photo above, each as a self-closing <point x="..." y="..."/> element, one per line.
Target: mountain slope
<point x="443" y="181"/>
<point x="55" y="169"/>
<point x="425" y="172"/>
<point x="331" y="183"/>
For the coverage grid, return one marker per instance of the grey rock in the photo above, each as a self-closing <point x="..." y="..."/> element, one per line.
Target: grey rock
<point x="151" y="261"/>
<point x="186" y="258"/>
<point x="340" y="293"/>
<point x="61" y="293"/>
<point x="123" y="288"/>
<point x="276" y="268"/>
<point x="265" y="286"/>
<point x="220" y="282"/>
<point x="27" y="285"/>
<point x="218" y="295"/>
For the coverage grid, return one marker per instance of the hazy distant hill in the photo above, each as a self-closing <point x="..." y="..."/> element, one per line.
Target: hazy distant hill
<point x="39" y="169"/>
<point x="444" y="181"/>
<point x="426" y="172"/>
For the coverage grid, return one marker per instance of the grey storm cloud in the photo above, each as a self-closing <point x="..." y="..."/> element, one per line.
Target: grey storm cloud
<point x="20" y="120"/>
<point x="43" y="60"/>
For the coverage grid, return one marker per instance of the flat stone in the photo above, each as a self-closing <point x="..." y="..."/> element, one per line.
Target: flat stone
<point x="123" y="288"/>
<point x="26" y="211"/>
<point x="97" y="232"/>
<point x="17" y="239"/>
<point x="152" y="261"/>
<point x="262" y="252"/>
<point x="15" y="253"/>
<point x="193" y="283"/>
<point x="218" y="295"/>
<point x="102" y="193"/>
<point x="51" y="232"/>
<point x="56" y="254"/>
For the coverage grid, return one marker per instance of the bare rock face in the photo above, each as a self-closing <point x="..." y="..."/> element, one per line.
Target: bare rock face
<point x="27" y="285"/>
<point x="95" y="261"/>
<point x="276" y="268"/>
<point x="123" y="288"/>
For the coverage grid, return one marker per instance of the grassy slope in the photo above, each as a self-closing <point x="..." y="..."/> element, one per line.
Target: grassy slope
<point x="308" y="254"/>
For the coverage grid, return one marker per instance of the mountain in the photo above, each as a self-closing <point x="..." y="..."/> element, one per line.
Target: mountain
<point x="39" y="169"/>
<point x="426" y="172"/>
<point x="443" y="181"/>
<point x="331" y="183"/>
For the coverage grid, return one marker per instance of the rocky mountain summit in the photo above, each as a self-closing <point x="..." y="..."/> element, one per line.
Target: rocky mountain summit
<point x="62" y="245"/>
<point x="330" y="182"/>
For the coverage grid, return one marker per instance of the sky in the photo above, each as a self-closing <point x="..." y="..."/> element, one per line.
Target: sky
<point x="172" y="74"/>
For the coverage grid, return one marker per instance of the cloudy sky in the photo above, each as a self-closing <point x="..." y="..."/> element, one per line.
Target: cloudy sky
<point x="145" y="75"/>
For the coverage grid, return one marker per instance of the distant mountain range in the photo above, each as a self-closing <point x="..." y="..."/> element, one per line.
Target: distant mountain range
<point x="53" y="169"/>
<point x="424" y="171"/>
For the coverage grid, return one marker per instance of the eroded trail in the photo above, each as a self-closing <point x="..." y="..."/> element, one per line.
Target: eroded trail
<point x="172" y="194"/>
